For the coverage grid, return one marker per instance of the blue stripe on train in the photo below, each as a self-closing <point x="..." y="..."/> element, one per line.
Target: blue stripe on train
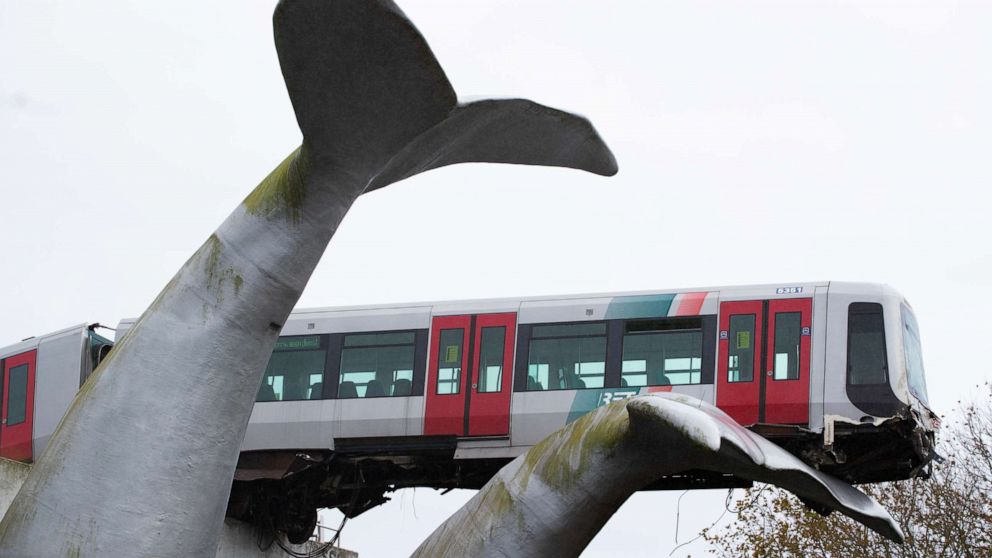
<point x="645" y="306"/>
<point x="588" y="399"/>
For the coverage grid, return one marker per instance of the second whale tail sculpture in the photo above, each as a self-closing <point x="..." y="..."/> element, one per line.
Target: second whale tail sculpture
<point x="143" y="461"/>
<point x="551" y="501"/>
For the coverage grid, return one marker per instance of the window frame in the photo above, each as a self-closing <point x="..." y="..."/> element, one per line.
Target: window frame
<point x="480" y="377"/>
<point x="755" y="347"/>
<point x="668" y="331"/>
<point x="332" y="374"/>
<point x="874" y="399"/>
<point x="325" y="343"/>
<point x="885" y="343"/>
<point x="523" y="351"/>
<point x="458" y="382"/>
<point x="774" y="346"/>
<point x="7" y="380"/>
<point x="614" y="347"/>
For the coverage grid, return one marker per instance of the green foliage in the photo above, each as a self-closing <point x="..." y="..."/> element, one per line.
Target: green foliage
<point x="949" y="514"/>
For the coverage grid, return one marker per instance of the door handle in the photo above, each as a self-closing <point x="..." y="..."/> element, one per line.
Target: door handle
<point x="769" y="373"/>
<point x="475" y="386"/>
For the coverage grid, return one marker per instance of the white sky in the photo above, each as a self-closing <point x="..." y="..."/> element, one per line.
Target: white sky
<point x="758" y="142"/>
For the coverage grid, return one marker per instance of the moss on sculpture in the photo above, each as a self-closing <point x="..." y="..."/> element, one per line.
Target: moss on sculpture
<point x="284" y="190"/>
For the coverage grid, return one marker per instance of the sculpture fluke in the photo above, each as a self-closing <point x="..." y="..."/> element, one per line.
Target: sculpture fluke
<point x="143" y="461"/>
<point x="551" y="501"/>
<point x="381" y="105"/>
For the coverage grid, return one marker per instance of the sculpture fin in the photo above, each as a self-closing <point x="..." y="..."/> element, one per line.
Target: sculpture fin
<point x="503" y="131"/>
<point x="551" y="501"/>
<point x="334" y="56"/>
<point x="750" y="456"/>
<point x="362" y="79"/>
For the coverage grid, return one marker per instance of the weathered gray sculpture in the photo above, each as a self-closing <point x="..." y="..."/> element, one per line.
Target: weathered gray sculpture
<point x="143" y="461"/>
<point x="553" y="500"/>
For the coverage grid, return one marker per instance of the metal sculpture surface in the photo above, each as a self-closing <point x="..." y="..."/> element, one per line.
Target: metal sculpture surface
<point x="142" y="463"/>
<point x="553" y="500"/>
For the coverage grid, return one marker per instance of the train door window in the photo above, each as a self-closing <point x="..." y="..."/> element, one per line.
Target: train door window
<point x="567" y="356"/>
<point x="491" y="359"/>
<point x="17" y="395"/>
<point x="866" y="359"/>
<point x="662" y="352"/>
<point x="740" y="367"/>
<point x="449" y="370"/>
<point x="296" y="369"/>
<point x="788" y="334"/>
<point x="377" y="364"/>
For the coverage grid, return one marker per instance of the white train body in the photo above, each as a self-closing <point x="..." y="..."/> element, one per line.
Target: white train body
<point x="441" y="394"/>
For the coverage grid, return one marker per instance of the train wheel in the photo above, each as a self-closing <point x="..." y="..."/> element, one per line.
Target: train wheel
<point x="300" y="527"/>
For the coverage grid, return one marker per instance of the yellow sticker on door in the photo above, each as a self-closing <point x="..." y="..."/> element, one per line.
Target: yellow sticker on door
<point x="743" y="339"/>
<point x="451" y="353"/>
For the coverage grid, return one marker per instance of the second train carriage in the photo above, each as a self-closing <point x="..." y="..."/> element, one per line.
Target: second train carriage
<point x="39" y="377"/>
<point x="356" y="402"/>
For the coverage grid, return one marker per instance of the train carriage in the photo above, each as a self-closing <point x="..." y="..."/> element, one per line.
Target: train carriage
<point x="39" y="377"/>
<point x="356" y="402"/>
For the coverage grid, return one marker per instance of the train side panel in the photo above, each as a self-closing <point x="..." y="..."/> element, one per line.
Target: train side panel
<point x="61" y="356"/>
<point x="537" y="412"/>
<point x="818" y="356"/>
<point x="315" y="424"/>
<point x="60" y="361"/>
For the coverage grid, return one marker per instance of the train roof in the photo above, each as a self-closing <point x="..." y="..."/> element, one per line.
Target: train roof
<point x="411" y="315"/>
<point x="512" y="302"/>
<point x="33" y="341"/>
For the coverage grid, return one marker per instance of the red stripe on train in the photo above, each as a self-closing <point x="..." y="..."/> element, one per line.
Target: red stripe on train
<point x="691" y="304"/>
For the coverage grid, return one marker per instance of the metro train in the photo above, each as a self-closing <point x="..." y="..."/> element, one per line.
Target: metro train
<point x="357" y="402"/>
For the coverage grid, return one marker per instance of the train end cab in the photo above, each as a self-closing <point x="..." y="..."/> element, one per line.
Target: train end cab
<point x="39" y="377"/>
<point x="832" y="372"/>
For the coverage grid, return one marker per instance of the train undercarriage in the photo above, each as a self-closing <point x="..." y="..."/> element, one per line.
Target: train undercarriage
<point x="281" y="491"/>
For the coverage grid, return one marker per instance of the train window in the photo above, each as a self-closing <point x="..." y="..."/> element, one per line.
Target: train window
<point x="741" y="350"/>
<point x="567" y="356"/>
<point x="866" y="359"/>
<point x="788" y="334"/>
<point x="491" y="359"/>
<point x="377" y="364"/>
<point x="296" y="369"/>
<point x="914" y="355"/>
<point x="662" y="352"/>
<point x="17" y="395"/>
<point x="449" y="358"/>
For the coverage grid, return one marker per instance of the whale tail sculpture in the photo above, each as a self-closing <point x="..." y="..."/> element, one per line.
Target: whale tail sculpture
<point x="143" y="461"/>
<point x="373" y="100"/>
<point x="551" y="501"/>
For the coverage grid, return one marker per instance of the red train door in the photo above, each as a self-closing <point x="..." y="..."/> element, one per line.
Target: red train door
<point x="738" y="383"/>
<point x="17" y="411"/>
<point x="788" y="354"/>
<point x="489" y="407"/>
<point x="469" y="375"/>
<point x="764" y="359"/>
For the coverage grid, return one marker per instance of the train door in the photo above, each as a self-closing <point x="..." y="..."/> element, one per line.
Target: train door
<point x="738" y="386"/>
<point x="17" y="410"/>
<point x="764" y="360"/>
<point x="468" y="375"/>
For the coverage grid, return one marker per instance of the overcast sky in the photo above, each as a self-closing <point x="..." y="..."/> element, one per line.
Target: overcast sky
<point x="758" y="142"/>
